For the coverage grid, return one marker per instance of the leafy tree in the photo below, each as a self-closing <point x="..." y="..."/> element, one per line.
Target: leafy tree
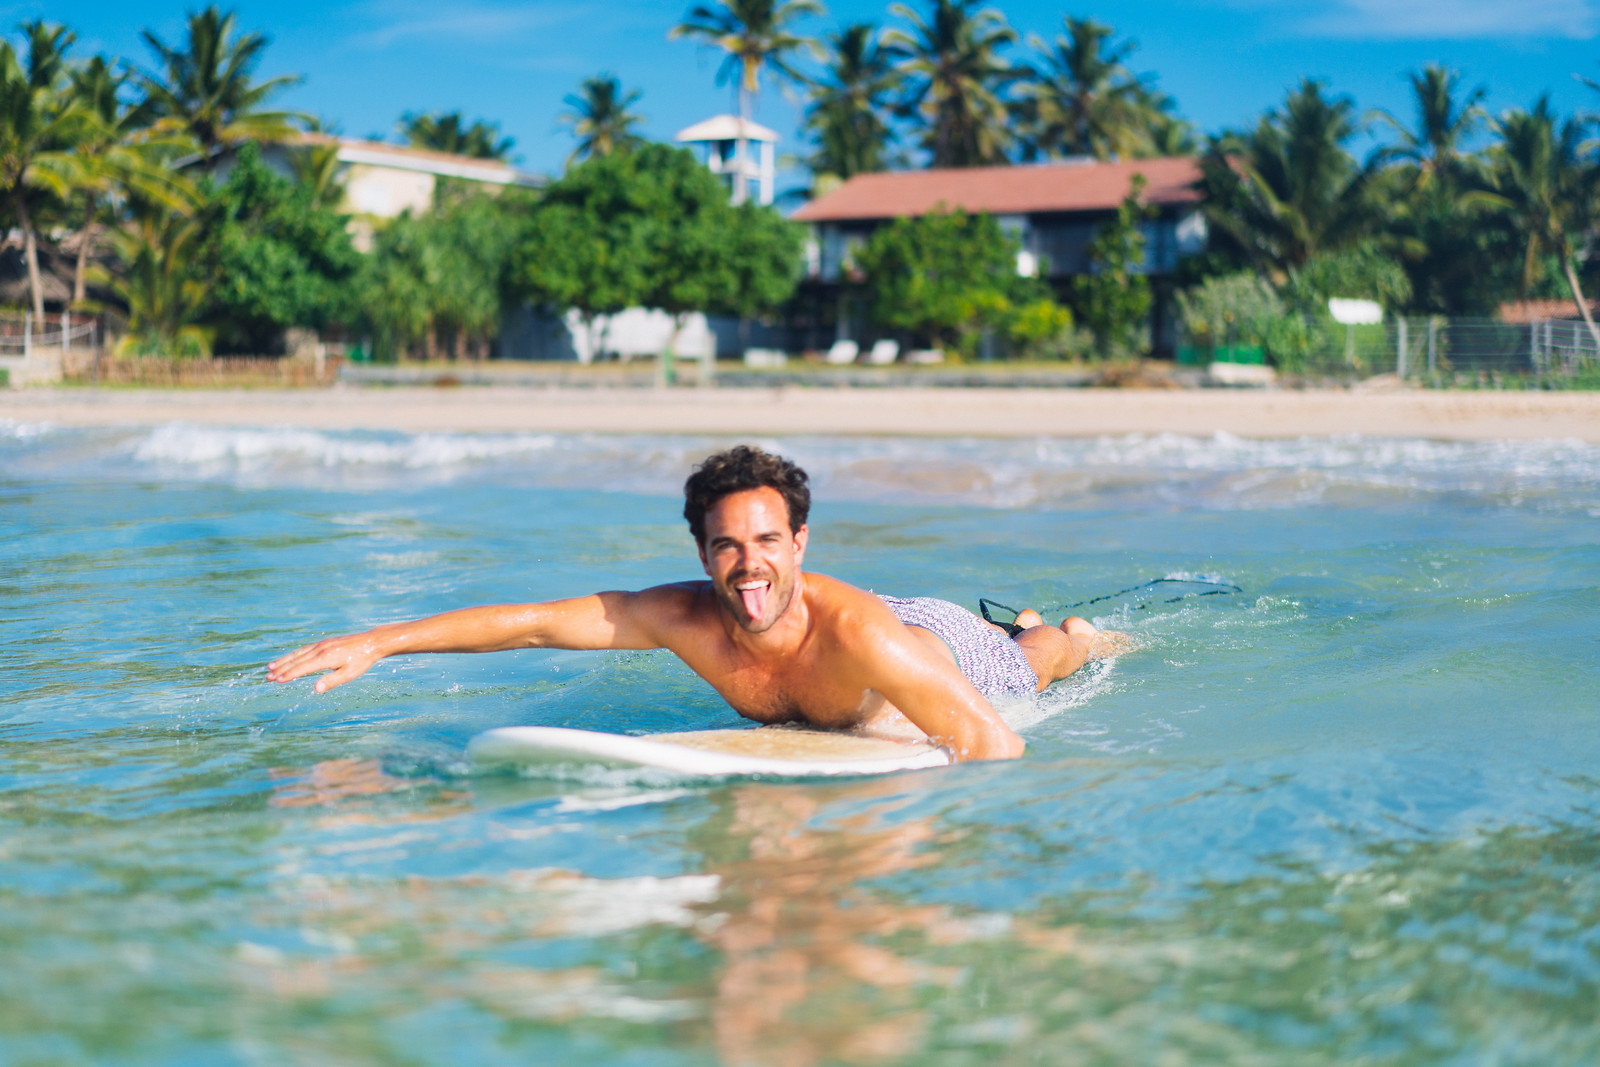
<point x="706" y="255"/>
<point x="764" y="253"/>
<point x="850" y="106"/>
<point x="652" y="228"/>
<point x="1455" y="252"/>
<point x="957" y="80"/>
<point x="1230" y="309"/>
<point x="946" y="276"/>
<point x="474" y="234"/>
<point x="600" y="118"/>
<point x="113" y="154"/>
<point x="315" y="165"/>
<point x="165" y="299"/>
<point x="273" y="258"/>
<point x="1084" y="102"/>
<point x="1547" y="188"/>
<point x="395" y="288"/>
<point x="586" y="245"/>
<point x="755" y="34"/>
<point x="39" y="131"/>
<point x="449" y="132"/>
<point x="1113" y="299"/>
<point x="205" y="89"/>
<point x="1445" y="119"/>
<point x="1288" y="189"/>
<point x="1362" y="273"/>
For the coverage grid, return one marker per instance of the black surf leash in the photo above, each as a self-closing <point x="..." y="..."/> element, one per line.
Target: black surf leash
<point x="1218" y="589"/>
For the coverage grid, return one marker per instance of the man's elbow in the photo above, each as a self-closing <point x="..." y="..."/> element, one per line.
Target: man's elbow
<point x="995" y="746"/>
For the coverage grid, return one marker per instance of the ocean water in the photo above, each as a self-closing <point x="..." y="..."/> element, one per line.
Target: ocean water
<point x="1348" y="814"/>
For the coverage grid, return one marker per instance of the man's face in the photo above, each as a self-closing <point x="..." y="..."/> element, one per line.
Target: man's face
<point x="751" y="557"/>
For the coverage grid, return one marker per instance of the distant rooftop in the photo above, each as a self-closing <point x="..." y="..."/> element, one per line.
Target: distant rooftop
<point x="404" y="157"/>
<point x="725" y="128"/>
<point x="1019" y="190"/>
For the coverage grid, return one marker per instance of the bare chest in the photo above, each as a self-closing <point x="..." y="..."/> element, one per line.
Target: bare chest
<point x="801" y="689"/>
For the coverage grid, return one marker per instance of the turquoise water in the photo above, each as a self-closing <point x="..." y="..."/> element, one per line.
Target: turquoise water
<point x="1349" y="815"/>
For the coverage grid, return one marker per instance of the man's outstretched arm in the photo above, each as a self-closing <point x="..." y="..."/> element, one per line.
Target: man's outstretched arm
<point x="931" y="692"/>
<point x="603" y="620"/>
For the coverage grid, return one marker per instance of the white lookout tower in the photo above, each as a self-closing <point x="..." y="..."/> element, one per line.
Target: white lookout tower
<point x="740" y="149"/>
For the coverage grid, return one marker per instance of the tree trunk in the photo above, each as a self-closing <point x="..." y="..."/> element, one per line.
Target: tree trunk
<point x="85" y="238"/>
<point x="1583" y="305"/>
<point x="30" y="252"/>
<point x="665" y="370"/>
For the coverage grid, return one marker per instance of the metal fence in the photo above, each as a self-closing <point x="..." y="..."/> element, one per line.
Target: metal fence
<point x="23" y="333"/>
<point x="1430" y="349"/>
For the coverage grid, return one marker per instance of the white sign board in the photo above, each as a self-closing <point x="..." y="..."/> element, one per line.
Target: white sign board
<point x="1355" y="312"/>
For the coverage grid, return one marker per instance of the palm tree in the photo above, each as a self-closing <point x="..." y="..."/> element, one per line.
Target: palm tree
<point x="39" y="129"/>
<point x="1165" y="133"/>
<point x="1547" y="188"/>
<point x="205" y="88"/>
<point x="957" y="80"/>
<point x="1084" y="102"/>
<point x="849" y="105"/>
<point x="164" y="299"/>
<point x="1436" y="188"/>
<point x="315" y="164"/>
<point x="1288" y="189"/>
<point x="112" y="153"/>
<point x="600" y="118"/>
<point x="47" y="52"/>
<point x="450" y="132"/>
<point x="754" y="34"/>
<point x="1444" y="121"/>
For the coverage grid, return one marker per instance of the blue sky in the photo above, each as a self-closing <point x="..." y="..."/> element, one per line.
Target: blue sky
<point x="1225" y="61"/>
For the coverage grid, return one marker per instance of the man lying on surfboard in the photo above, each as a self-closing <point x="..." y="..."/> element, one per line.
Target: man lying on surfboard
<point x="778" y="644"/>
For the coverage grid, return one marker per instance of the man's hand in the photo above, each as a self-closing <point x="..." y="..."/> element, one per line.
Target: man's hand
<point x="346" y="657"/>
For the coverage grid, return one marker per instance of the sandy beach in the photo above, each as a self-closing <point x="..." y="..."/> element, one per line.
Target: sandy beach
<point x="914" y="411"/>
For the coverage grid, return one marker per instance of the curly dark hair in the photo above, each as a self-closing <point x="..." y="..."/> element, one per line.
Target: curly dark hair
<point x="733" y="471"/>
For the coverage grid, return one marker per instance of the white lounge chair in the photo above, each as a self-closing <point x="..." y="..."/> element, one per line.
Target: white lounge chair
<point x="842" y="352"/>
<point x="926" y="355"/>
<point x="884" y="352"/>
<point x="764" y="357"/>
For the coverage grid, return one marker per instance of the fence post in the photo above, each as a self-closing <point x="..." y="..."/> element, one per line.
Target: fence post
<point x="1533" y="343"/>
<point x="27" y="335"/>
<point x="1433" y="342"/>
<point x="66" y="338"/>
<point x="1400" y="357"/>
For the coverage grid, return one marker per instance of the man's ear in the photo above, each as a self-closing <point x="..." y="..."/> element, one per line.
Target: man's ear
<point x="705" y="564"/>
<point x="801" y="536"/>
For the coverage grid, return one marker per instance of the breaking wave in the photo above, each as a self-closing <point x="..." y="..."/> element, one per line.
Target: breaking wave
<point x="1139" y="470"/>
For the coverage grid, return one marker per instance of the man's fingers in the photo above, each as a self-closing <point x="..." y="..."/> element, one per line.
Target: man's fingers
<point x="340" y="655"/>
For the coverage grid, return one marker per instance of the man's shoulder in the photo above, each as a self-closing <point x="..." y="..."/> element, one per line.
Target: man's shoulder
<point x="685" y="596"/>
<point x="841" y="601"/>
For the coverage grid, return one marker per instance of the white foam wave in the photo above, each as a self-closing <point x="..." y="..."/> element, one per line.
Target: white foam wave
<point x="1092" y="680"/>
<point x="1164" y="470"/>
<point x="200" y="446"/>
<point x="12" y="429"/>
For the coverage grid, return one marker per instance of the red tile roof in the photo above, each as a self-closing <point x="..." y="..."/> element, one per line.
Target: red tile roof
<point x="1525" y="311"/>
<point x="1005" y="190"/>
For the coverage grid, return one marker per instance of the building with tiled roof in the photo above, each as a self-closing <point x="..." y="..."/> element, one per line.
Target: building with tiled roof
<point x="1054" y="209"/>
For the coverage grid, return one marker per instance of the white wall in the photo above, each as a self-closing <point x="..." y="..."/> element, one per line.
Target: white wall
<point x="641" y="332"/>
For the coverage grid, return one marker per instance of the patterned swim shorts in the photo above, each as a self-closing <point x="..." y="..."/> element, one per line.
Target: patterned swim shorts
<point x="992" y="662"/>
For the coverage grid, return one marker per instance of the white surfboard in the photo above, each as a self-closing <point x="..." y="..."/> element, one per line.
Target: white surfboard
<point x="777" y="751"/>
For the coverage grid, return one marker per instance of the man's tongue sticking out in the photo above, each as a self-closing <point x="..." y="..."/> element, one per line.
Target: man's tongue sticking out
<point x="754" y="595"/>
